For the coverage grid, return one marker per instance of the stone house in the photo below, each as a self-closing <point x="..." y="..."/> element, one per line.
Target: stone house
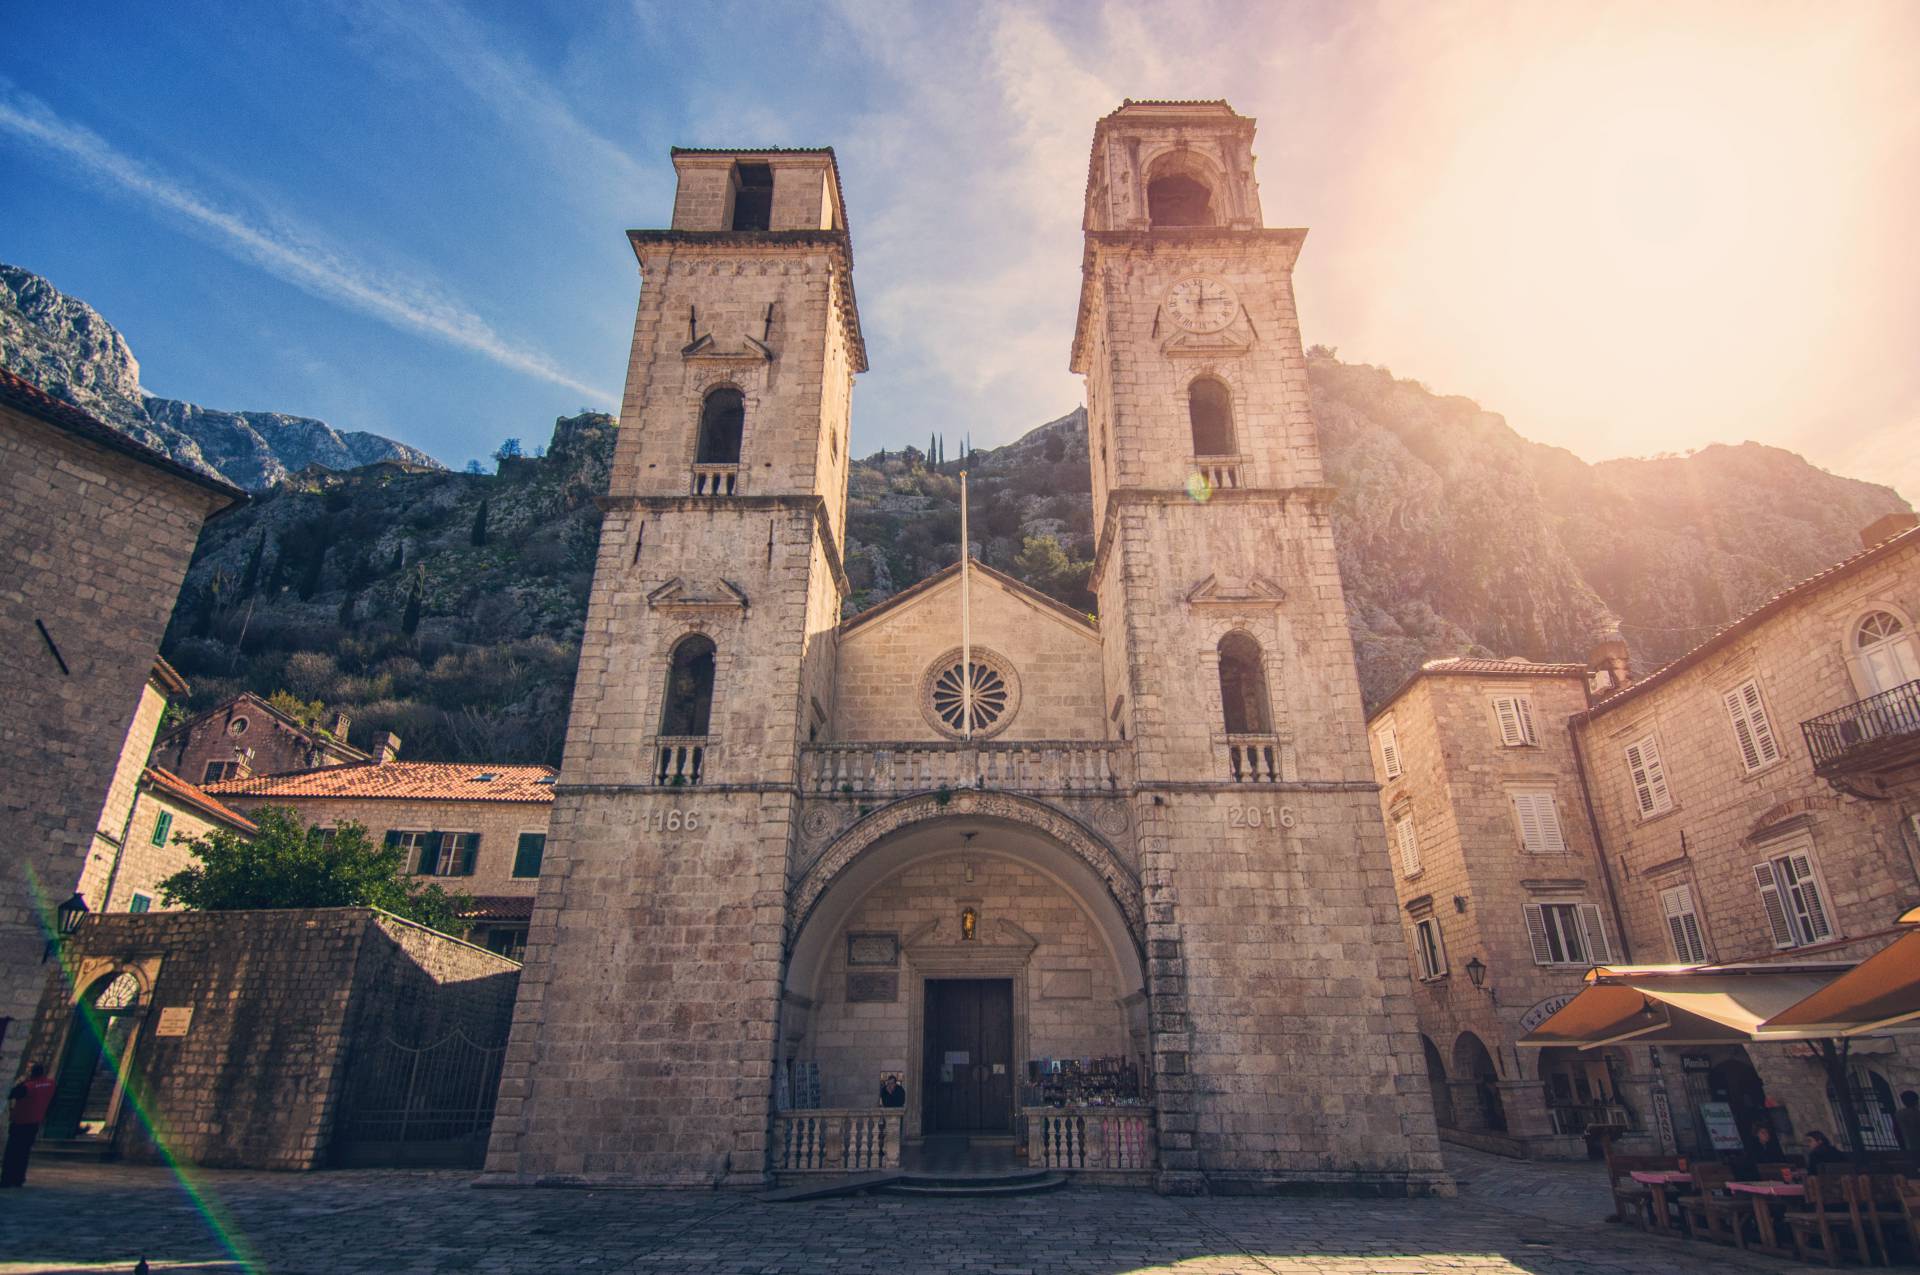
<point x="1102" y="892"/>
<point x="167" y="813"/>
<point x="97" y="530"/>
<point x="479" y="831"/>
<point x="1759" y="800"/>
<point x="113" y="827"/>
<point x="1703" y="828"/>
<point x="246" y="735"/>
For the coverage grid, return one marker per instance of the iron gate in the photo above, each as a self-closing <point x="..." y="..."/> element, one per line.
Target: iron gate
<point x="420" y="1105"/>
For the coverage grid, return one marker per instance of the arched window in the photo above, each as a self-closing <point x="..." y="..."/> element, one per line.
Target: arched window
<point x="1179" y="200"/>
<point x="1210" y="411"/>
<point x="689" y="701"/>
<point x="1243" y="687"/>
<point x="1886" y="648"/>
<point x="722" y="416"/>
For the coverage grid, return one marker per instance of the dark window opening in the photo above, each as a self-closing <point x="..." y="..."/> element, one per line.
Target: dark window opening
<point x="1179" y="201"/>
<point x="527" y="855"/>
<point x="752" y="197"/>
<point x="689" y="705"/>
<point x="722" y="418"/>
<point x="1243" y="686"/>
<point x="1210" y="410"/>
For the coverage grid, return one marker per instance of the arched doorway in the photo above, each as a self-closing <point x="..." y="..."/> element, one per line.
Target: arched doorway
<point x="975" y="948"/>
<point x="1437" y="1081"/>
<point x="91" y="1077"/>
<point x="1582" y="1087"/>
<point x="1472" y="1062"/>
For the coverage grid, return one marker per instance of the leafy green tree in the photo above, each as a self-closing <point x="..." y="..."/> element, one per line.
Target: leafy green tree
<point x="305" y="711"/>
<point x="1043" y="564"/>
<point x="509" y="450"/>
<point x="289" y="864"/>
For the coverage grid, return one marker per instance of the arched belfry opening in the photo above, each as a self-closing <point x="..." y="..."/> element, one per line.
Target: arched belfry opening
<point x="688" y="711"/>
<point x="723" y="418"/>
<point x="752" y="196"/>
<point x="1243" y="687"/>
<point x="1210" y="413"/>
<point x="1179" y="200"/>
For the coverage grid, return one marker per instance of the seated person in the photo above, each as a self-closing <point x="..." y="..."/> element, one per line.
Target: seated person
<point x="1823" y="1156"/>
<point x="1763" y="1149"/>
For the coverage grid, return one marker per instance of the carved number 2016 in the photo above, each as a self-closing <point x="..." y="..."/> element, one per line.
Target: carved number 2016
<point x="670" y="821"/>
<point x="1259" y="816"/>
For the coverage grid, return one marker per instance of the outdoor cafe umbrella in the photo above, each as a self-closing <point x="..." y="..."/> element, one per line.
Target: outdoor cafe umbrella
<point x="1880" y="993"/>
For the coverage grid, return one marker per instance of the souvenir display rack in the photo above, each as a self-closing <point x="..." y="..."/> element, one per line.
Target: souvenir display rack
<point x="1082" y="1082"/>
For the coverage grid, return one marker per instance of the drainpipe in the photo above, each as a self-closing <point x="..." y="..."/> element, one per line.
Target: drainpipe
<point x="1599" y="845"/>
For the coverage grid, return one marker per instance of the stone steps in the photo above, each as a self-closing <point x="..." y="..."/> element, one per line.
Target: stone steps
<point x="955" y="1186"/>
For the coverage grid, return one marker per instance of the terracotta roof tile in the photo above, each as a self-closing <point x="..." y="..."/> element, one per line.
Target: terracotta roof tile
<point x="402" y="781"/>
<point x="169" y="785"/>
<point x="1470" y="666"/>
<point x="499" y="907"/>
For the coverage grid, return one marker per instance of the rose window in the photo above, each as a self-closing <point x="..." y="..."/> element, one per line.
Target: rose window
<point x="995" y="694"/>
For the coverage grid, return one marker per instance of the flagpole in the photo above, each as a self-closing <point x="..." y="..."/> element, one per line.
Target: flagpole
<point x="966" y="617"/>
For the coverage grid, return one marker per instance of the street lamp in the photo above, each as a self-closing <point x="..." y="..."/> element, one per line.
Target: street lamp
<point x="66" y="921"/>
<point x="1476" y="971"/>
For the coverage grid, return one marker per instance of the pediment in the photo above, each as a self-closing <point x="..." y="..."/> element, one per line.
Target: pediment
<point x="705" y="349"/>
<point x="1230" y="591"/>
<point x="1225" y="344"/>
<point x="681" y="594"/>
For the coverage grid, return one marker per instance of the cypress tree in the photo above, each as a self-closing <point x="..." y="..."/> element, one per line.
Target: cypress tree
<point x="479" y="536"/>
<point x="310" y="578"/>
<point x="399" y="557"/>
<point x="251" y="578"/>
<point x="410" y="621"/>
<point x="347" y="605"/>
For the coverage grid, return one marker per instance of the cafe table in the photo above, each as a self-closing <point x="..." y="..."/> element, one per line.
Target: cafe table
<point x="1660" y="1180"/>
<point x="1765" y="1197"/>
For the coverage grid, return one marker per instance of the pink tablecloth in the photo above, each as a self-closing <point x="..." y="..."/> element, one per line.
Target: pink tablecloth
<point x="1662" y="1177"/>
<point x="1781" y="1190"/>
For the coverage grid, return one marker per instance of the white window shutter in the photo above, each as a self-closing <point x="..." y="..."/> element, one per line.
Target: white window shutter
<point x="1525" y="707"/>
<point x="1811" y="905"/>
<point x="1637" y="771"/>
<point x="1539" y="823"/>
<point x="1390" y="752"/>
<point x="1529" y="816"/>
<point x="1537" y="934"/>
<point x="1507" y="711"/>
<point x="1750" y="726"/>
<point x="1773" y="904"/>
<point x="1649" y="777"/>
<point x="1594" y="931"/>
<point x="1436" y="951"/>
<point x="1409" y="845"/>
<point x="1683" y="924"/>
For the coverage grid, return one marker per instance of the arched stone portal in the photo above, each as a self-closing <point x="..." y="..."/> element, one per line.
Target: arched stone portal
<point x="978" y="895"/>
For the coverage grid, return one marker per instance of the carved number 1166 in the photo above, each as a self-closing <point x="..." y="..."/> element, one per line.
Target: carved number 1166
<point x="669" y="821"/>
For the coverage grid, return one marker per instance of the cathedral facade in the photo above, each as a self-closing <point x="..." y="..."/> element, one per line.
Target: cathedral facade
<point x="1111" y="893"/>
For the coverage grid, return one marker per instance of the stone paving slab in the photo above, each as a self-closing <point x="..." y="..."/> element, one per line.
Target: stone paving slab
<point x="1508" y="1218"/>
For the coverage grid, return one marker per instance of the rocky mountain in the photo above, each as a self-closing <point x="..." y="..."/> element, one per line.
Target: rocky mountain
<point x="63" y="345"/>
<point x="448" y="607"/>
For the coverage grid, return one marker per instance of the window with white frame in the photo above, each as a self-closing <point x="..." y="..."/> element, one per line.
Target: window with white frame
<point x="1389" y="751"/>
<point x="1432" y="952"/>
<point x="1567" y="934"/>
<point x="1514" y="713"/>
<point x="1406" y="842"/>
<point x="1792" y="898"/>
<point x="1683" y="924"/>
<point x="1538" y="818"/>
<point x="1649" y="776"/>
<point x="1751" y="729"/>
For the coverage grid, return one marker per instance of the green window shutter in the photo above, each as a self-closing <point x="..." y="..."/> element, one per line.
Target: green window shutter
<point x="161" y="827"/>
<point x="526" y="858"/>
<point x="469" y="852"/>
<point x="430" y="854"/>
<point x="140" y="903"/>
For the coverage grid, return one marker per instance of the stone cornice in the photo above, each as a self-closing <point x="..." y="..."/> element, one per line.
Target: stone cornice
<point x="822" y="528"/>
<point x="1316" y="496"/>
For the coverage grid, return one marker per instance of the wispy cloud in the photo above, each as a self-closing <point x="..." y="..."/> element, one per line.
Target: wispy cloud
<point x="287" y="252"/>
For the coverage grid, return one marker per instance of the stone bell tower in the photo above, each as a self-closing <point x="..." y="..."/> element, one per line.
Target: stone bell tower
<point x="644" y="1037"/>
<point x="1284" y="1046"/>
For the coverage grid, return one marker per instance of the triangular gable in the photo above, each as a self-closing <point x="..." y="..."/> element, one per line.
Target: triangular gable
<point x="697" y="595"/>
<point x="1026" y="593"/>
<point x="1230" y="592"/>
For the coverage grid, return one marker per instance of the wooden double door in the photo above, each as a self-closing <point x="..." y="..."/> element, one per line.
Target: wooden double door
<point x="967" y="1070"/>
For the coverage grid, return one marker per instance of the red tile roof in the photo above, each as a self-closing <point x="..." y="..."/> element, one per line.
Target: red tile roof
<point x="1778" y="602"/>
<point x="499" y="907"/>
<point x="24" y="396"/>
<point x="1470" y="666"/>
<point x="165" y="783"/>
<point x="401" y="781"/>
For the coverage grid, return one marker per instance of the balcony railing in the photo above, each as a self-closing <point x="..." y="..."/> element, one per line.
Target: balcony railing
<point x="716" y="480"/>
<point x="1221" y="473"/>
<point x="836" y="1140"/>
<point x="1878" y="731"/>
<point x="1258" y="759"/>
<point x="1084" y="1139"/>
<point x="680" y="760"/>
<point x="894" y="768"/>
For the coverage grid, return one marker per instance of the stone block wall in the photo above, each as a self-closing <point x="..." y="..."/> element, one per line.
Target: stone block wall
<point x="112" y="829"/>
<point x="96" y="546"/>
<point x="278" y="1001"/>
<point x="143" y="865"/>
<point x="884" y="664"/>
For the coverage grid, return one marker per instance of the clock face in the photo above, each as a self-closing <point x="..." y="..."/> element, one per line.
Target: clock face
<point x="1201" y="304"/>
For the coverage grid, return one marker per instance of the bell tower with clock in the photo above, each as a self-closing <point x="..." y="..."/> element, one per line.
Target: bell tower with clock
<point x="1284" y="1047"/>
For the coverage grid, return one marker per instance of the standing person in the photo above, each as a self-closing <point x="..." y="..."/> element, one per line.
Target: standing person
<point x="28" y="1101"/>
<point x="1907" y="1121"/>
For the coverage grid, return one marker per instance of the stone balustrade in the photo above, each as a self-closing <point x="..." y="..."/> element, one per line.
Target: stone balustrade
<point x="898" y="768"/>
<point x="836" y="1140"/>
<point x="1257" y="759"/>
<point x="1091" y="1139"/>
<point x="1220" y="473"/>
<point x="716" y="480"/>
<point x="681" y="760"/>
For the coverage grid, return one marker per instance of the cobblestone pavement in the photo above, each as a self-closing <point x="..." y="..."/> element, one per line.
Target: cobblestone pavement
<point x="1509" y="1217"/>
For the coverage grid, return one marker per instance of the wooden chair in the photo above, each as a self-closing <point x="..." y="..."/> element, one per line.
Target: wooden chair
<point x="1712" y="1212"/>
<point x="1831" y="1215"/>
<point x="1909" y="1192"/>
<point x="1880" y="1200"/>
<point x="1633" y="1201"/>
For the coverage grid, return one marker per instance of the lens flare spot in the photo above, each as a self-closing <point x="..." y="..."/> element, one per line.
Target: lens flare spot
<point x="1199" y="488"/>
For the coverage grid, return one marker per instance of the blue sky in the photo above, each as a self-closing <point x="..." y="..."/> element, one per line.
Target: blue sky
<point x="1630" y="228"/>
